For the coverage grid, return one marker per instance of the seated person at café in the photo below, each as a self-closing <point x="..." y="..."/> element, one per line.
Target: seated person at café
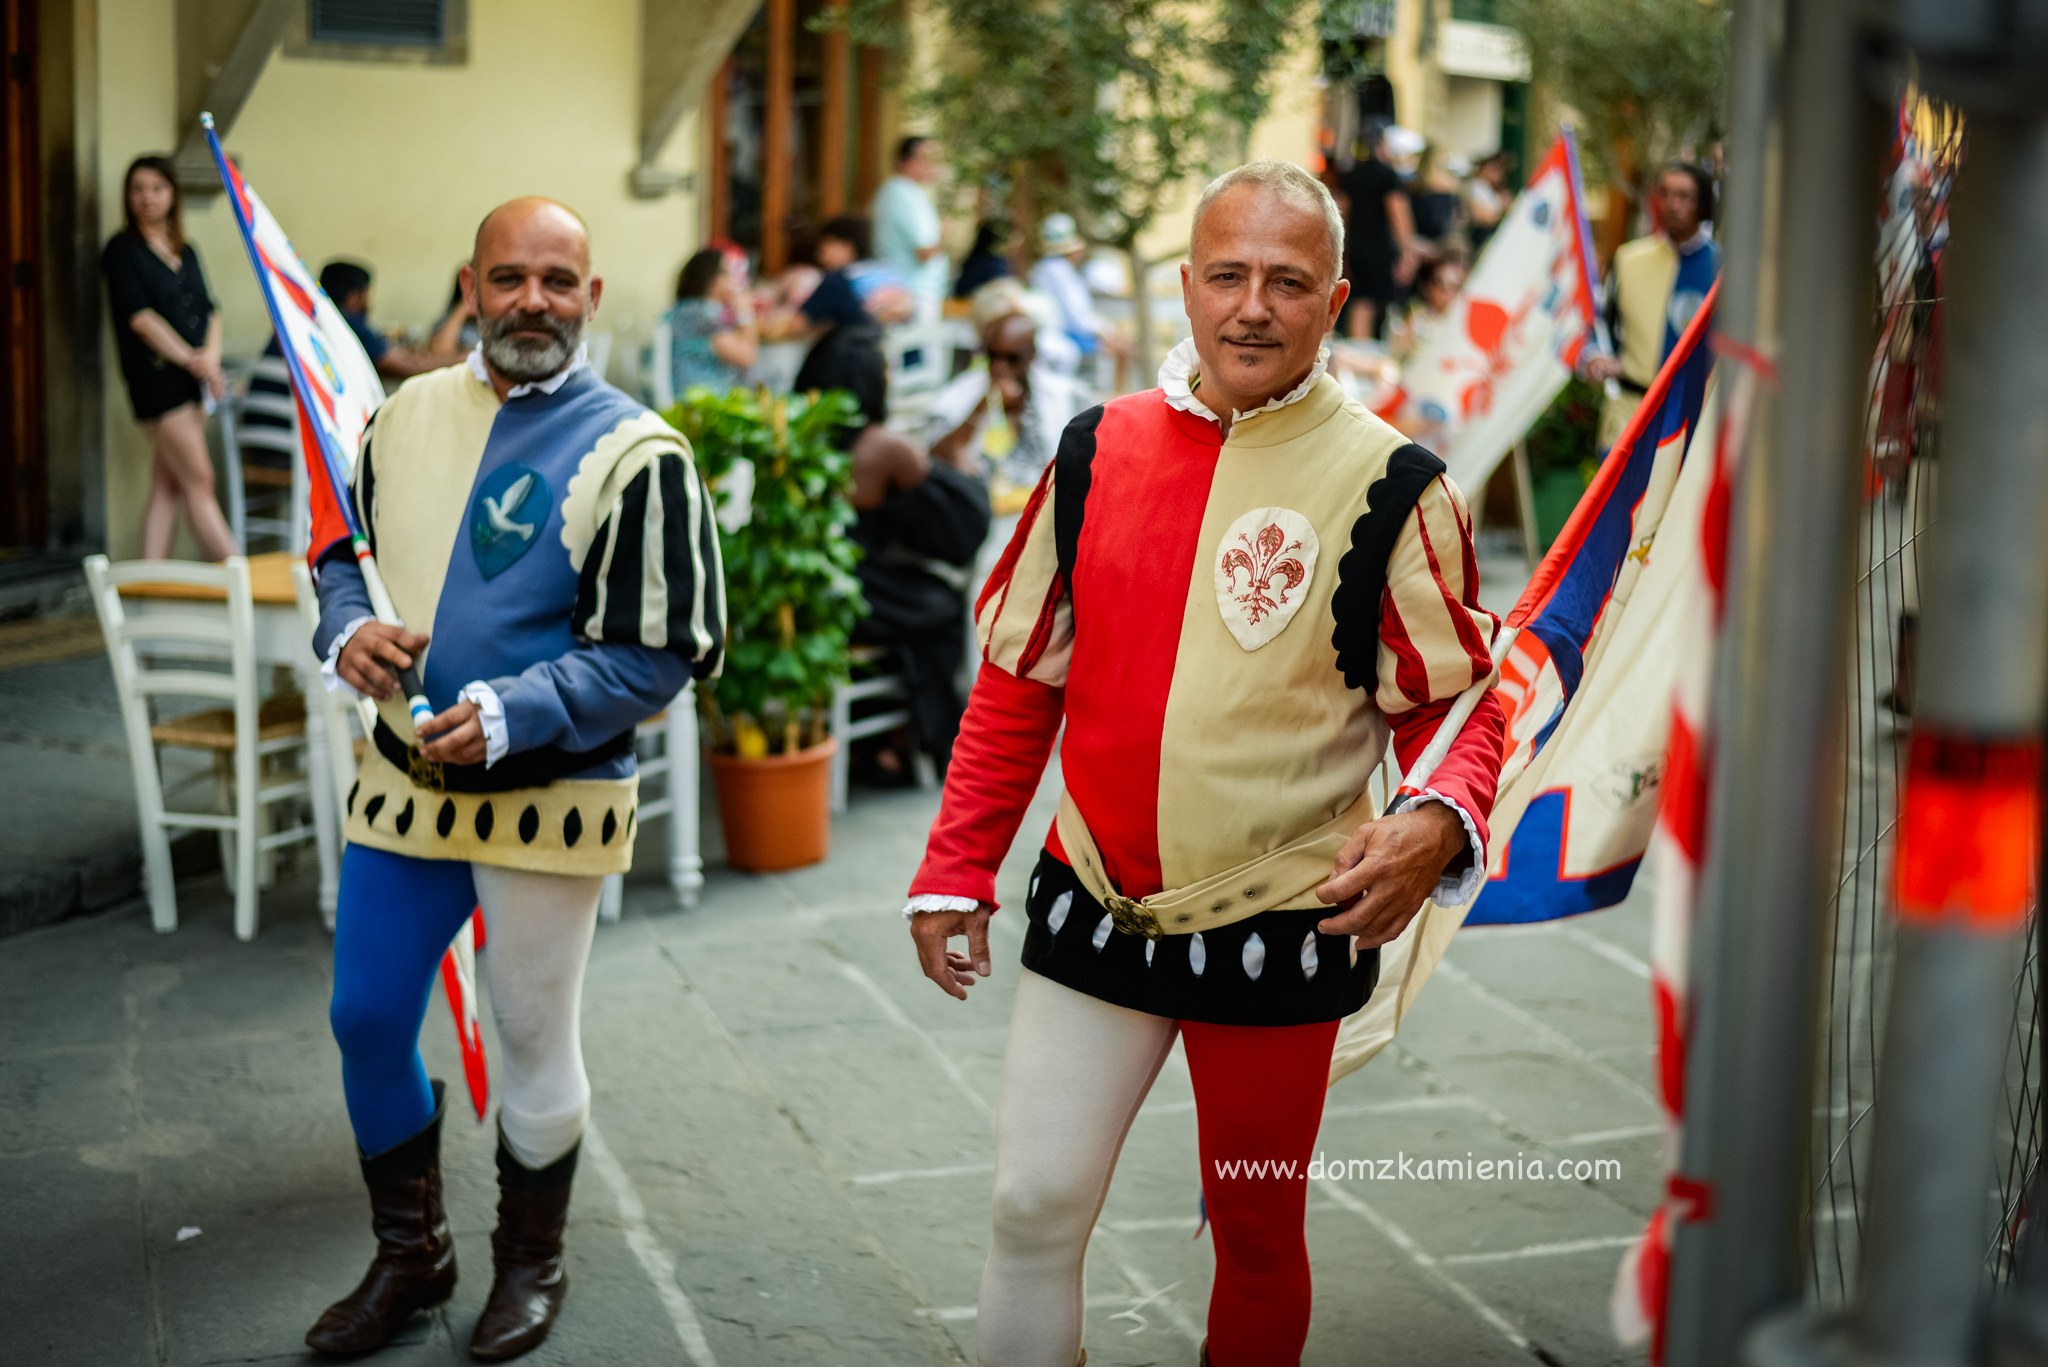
<point x="848" y="308"/>
<point x="348" y="285"/>
<point x="1003" y="417"/>
<point x="1059" y="274"/>
<point x="921" y="523"/>
<point x="855" y="288"/>
<point x="456" y="330"/>
<point x="713" y="341"/>
<point x="985" y="260"/>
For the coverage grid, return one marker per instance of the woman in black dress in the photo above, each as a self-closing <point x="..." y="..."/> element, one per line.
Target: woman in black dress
<point x="167" y="332"/>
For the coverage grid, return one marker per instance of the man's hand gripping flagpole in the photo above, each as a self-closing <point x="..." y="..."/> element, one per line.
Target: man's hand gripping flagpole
<point x="333" y="518"/>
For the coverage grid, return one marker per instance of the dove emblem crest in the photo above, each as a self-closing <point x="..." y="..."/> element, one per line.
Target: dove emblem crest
<point x="1263" y="570"/>
<point x="512" y="505"/>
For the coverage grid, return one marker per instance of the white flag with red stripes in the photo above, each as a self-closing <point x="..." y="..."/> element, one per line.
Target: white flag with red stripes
<point x="1678" y="846"/>
<point x="1512" y="336"/>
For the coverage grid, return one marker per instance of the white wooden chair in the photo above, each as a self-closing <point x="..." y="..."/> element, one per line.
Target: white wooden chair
<point x="661" y="388"/>
<point x="879" y="684"/>
<point x="241" y="736"/>
<point x="338" y="730"/>
<point x="273" y="480"/>
<point x="600" y="344"/>
<point x="667" y="750"/>
<point x="919" y="357"/>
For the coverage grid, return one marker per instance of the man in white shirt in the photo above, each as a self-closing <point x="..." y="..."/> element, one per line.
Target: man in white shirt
<point x="907" y="224"/>
<point x="1058" y="275"/>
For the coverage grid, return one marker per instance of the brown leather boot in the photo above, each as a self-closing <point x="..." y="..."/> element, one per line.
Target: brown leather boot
<point x="414" y="1269"/>
<point x="526" y="1249"/>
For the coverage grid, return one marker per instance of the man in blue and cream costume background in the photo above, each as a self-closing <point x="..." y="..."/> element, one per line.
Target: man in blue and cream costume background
<point x="550" y="548"/>
<point x="1657" y="284"/>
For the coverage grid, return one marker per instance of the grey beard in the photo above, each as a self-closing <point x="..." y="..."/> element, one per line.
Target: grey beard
<point x="523" y="360"/>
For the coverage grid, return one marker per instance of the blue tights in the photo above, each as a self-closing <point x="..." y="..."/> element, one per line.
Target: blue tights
<point x="396" y="917"/>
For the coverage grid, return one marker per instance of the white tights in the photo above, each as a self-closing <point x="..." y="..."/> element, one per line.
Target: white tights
<point x="539" y="927"/>
<point x="1074" y="1074"/>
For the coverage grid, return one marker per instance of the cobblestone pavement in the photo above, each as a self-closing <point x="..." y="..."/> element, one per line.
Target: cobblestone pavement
<point x="791" y="1157"/>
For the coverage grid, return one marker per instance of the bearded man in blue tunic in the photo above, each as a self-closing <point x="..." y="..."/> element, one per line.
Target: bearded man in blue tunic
<point x="550" y="548"/>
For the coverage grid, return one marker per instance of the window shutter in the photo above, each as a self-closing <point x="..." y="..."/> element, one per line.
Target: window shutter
<point x="394" y="23"/>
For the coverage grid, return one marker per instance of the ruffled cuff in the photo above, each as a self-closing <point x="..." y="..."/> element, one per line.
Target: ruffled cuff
<point x="490" y="710"/>
<point x="330" y="668"/>
<point x="932" y="901"/>
<point x="1454" y="890"/>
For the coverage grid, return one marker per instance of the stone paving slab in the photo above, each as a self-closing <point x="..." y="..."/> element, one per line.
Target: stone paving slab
<point x="77" y="1287"/>
<point x="803" y="1127"/>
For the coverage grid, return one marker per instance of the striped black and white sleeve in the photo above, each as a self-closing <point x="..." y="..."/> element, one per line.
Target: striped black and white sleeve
<point x="652" y="576"/>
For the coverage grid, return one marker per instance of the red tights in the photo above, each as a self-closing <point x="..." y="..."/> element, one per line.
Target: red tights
<point x="1258" y="1103"/>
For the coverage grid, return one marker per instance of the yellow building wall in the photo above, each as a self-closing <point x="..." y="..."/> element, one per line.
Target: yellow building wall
<point x="393" y="165"/>
<point x="138" y="95"/>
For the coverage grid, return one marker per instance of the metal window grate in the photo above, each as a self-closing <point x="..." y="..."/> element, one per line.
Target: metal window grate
<point x="386" y="23"/>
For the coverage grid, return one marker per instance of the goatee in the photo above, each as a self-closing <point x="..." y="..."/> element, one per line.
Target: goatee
<point x="524" y="360"/>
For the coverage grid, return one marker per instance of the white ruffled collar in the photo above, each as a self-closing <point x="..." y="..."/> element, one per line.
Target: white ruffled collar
<point x="1178" y="379"/>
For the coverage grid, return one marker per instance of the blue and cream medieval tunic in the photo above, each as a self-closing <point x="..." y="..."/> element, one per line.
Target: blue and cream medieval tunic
<point x="559" y="550"/>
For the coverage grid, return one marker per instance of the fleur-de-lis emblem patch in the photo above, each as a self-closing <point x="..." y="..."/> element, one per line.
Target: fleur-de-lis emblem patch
<point x="1263" y="570"/>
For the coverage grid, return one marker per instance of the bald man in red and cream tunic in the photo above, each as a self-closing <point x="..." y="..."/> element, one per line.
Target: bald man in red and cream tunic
<point x="1231" y="591"/>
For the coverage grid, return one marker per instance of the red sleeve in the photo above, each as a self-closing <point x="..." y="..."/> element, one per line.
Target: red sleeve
<point x="998" y="758"/>
<point x="1470" y="773"/>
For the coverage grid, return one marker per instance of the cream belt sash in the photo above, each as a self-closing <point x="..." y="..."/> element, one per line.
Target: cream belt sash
<point x="1286" y="877"/>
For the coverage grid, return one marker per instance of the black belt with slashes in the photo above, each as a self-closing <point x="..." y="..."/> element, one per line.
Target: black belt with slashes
<point x="534" y="768"/>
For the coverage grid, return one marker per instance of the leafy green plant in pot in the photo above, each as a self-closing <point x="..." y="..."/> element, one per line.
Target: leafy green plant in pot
<point x="1563" y="455"/>
<point x="792" y="600"/>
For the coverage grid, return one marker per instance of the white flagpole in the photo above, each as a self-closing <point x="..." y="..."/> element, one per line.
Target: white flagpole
<point x="1453" y="724"/>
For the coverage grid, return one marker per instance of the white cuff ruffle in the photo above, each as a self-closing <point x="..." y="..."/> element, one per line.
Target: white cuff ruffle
<point x="330" y="668"/>
<point x="935" y="901"/>
<point x="1454" y="890"/>
<point x="490" y="710"/>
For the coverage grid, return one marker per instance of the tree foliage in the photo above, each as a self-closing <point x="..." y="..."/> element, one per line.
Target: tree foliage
<point x="1106" y="109"/>
<point x="791" y="598"/>
<point x="1644" y="76"/>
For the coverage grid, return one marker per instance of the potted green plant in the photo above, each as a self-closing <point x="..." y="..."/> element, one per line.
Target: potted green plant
<point x="791" y="602"/>
<point x="1563" y="456"/>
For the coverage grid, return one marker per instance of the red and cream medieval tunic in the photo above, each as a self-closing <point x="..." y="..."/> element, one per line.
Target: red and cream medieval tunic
<point x="1229" y="628"/>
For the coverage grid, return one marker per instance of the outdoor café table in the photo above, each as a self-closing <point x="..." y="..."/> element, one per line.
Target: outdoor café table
<point x="281" y="639"/>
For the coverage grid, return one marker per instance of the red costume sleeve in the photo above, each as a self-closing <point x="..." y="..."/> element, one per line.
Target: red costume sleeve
<point x="1435" y="642"/>
<point x="1470" y="773"/>
<point x="1005" y="739"/>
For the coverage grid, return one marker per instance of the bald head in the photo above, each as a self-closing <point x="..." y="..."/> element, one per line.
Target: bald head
<point x="535" y="219"/>
<point x="529" y="277"/>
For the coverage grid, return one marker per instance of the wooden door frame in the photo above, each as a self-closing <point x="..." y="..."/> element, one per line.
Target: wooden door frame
<point x="24" y="448"/>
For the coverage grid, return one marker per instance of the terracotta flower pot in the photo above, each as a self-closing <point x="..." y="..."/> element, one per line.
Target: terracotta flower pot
<point x="777" y="811"/>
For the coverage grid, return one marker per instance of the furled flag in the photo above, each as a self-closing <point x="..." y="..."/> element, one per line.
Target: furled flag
<point x="1587" y="664"/>
<point x="333" y="378"/>
<point x="337" y="389"/>
<point x="1679" y="844"/>
<point x="1476" y="383"/>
